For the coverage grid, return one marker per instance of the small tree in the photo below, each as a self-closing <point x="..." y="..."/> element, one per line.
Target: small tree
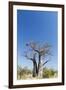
<point x="39" y="54"/>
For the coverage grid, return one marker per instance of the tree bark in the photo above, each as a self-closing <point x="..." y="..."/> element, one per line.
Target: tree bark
<point x="34" y="69"/>
<point x="39" y="64"/>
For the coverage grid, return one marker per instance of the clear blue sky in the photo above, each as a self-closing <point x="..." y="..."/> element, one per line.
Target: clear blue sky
<point x="38" y="26"/>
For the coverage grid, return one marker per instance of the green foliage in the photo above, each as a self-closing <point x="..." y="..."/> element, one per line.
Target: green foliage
<point x="49" y="73"/>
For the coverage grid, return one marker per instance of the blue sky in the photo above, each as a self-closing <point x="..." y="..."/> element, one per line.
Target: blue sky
<point x="38" y="26"/>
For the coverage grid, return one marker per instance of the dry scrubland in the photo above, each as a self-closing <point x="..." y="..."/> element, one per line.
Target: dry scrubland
<point x="25" y="73"/>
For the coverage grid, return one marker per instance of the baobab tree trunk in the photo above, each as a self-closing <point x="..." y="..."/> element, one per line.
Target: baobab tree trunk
<point x="40" y="69"/>
<point x="39" y="65"/>
<point x="34" y="69"/>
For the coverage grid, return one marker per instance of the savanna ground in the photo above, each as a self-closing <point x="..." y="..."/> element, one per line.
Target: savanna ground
<point x="25" y="73"/>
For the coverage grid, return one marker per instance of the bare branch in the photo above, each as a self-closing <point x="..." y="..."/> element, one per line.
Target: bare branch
<point x="33" y="46"/>
<point x="45" y="62"/>
<point x="45" y="52"/>
<point x="29" y="57"/>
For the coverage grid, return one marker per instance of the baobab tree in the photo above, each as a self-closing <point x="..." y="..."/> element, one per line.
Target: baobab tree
<point x="38" y="57"/>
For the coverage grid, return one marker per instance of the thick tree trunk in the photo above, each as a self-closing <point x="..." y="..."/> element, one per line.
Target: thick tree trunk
<point x="34" y="69"/>
<point x="34" y="66"/>
<point x="37" y="70"/>
<point x="39" y="63"/>
<point x="40" y="69"/>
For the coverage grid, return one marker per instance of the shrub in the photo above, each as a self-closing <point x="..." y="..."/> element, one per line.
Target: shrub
<point x="48" y="73"/>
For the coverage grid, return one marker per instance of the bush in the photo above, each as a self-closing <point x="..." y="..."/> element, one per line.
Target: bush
<point x="48" y="73"/>
<point x="22" y="73"/>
